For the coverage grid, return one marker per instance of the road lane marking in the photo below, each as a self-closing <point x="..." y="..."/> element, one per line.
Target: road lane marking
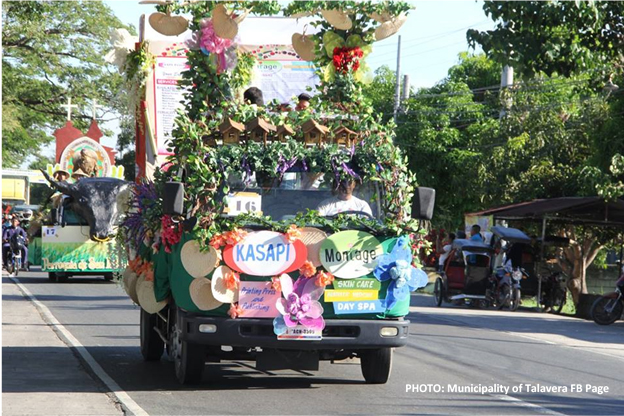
<point x="121" y="396"/>
<point x="522" y="403"/>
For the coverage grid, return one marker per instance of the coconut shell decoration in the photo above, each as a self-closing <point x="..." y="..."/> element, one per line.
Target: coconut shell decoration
<point x="390" y="27"/>
<point x="304" y="46"/>
<point x="129" y="279"/>
<point x="146" y="296"/>
<point x="168" y="25"/>
<point x="313" y="238"/>
<point x="201" y="295"/>
<point x="338" y="19"/>
<point x="219" y="286"/>
<point x="198" y="263"/>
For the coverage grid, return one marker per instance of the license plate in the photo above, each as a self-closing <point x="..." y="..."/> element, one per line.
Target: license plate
<point x="301" y="333"/>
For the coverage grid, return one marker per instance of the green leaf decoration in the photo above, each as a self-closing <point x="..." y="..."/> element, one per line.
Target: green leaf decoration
<point x="332" y="40"/>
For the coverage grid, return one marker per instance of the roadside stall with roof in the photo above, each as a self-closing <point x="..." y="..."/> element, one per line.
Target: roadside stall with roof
<point x="583" y="211"/>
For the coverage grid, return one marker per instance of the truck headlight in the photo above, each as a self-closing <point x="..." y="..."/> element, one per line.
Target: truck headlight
<point x="208" y="328"/>
<point x="389" y="331"/>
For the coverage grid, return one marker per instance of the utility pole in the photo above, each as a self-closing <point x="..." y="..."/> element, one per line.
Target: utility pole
<point x="507" y="80"/>
<point x="397" y="92"/>
<point x="406" y="89"/>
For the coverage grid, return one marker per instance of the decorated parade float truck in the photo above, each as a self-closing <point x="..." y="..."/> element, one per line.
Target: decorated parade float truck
<point x="261" y="233"/>
<point x="73" y="236"/>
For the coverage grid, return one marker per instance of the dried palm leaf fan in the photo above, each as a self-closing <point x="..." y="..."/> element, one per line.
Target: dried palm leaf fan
<point x="338" y="19"/>
<point x="164" y="23"/>
<point x="201" y="294"/>
<point x="390" y="27"/>
<point x="147" y="297"/>
<point x="225" y="24"/>
<point x="304" y="46"/>
<point x="197" y="263"/>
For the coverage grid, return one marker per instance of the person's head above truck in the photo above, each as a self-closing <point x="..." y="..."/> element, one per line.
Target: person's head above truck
<point x="253" y="95"/>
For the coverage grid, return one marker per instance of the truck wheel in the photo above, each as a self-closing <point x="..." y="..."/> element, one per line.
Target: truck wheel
<point x="376" y="365"/>
<point x="189" y="359"/>
<point x="52" y="276"/>
<point x="152" y="346"/>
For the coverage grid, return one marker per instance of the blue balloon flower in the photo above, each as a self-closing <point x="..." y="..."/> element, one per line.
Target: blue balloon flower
<point x="397" y="267"/>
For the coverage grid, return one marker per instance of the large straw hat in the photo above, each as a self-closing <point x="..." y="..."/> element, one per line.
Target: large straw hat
<point x="201" y="295"/>
<point x="390" y="27"/>
<point x="313" y="238"/>
<point x="198" y="263"/>
<point x="219" y="288"/>
<point x="146" y="296"/>
<point x="79" y="173"/>
<point x="304" y="46"/>
<point x="168" y="25"/>
<point x="129" y="279"/>
<point x="224" y="26"/>
<point x="338" y="19"/>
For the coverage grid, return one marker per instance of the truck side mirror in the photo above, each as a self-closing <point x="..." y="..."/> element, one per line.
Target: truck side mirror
<point x="423" y="203"/>
<point x="173" y="198"/>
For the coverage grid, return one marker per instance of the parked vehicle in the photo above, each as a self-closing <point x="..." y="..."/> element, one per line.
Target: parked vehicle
<point x="506" y="290"/>
<point x="554" y="291"/>
<point x="608" y="308"/>
<point x="466" y="275"/>
<point x="15" y="261"/>
<point x="511" y="274"/>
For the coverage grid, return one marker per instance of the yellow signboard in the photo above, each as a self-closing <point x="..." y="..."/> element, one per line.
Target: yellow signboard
<point x="14" y="188"/>
<point x="350" y="295"/>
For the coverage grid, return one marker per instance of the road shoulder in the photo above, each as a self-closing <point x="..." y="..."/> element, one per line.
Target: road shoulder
<point x="41" y="375"/>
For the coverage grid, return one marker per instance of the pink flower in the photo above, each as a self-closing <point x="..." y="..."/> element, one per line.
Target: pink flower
<point x="301" y="305"/>
<point x="210" y="41"/>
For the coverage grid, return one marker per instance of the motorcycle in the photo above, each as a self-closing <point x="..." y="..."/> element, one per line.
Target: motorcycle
<point x="506" y="290"/>
<point x="608" y="308"/>
<point x="15" y="261"/>
<point x="555" y="292"/>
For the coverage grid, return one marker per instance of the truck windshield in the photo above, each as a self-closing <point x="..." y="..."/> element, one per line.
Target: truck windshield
<point x="297" y="192"/>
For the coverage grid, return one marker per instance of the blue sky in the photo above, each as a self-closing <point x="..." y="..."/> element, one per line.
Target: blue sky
<point x="431" y="39"/>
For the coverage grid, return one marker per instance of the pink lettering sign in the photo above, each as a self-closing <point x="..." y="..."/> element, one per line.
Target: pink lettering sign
<point x="257" y="300"/>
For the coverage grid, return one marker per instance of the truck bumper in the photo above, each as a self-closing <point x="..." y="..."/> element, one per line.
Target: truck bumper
<point x="338" y="333"/>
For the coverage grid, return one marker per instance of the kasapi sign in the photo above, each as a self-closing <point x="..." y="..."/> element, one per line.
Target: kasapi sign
<point x="265" y="253"/>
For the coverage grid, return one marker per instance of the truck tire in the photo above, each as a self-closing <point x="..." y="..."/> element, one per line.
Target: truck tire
<point x="376" y="365"/>
<point x="189" y="359"/>
<point x="152" y="346"/>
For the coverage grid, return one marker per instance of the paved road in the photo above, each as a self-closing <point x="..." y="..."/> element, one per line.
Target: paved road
<point x="449" y="348"/>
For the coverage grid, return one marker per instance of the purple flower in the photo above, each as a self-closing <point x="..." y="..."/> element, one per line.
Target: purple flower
<point x="300" y="305"/>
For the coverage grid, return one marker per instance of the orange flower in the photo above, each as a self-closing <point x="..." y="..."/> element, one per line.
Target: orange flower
<point x="276" y="284"/>
<point x="149" y="275"/>
<point x="217" y="241"/>
<point x="235" y="236"/>
<point x="307" y="270"/>
<point x="232" y="280"/>
<point x="235" y="311"/>
<point x="293" y="233"/>
<point x="324" y="278"/>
